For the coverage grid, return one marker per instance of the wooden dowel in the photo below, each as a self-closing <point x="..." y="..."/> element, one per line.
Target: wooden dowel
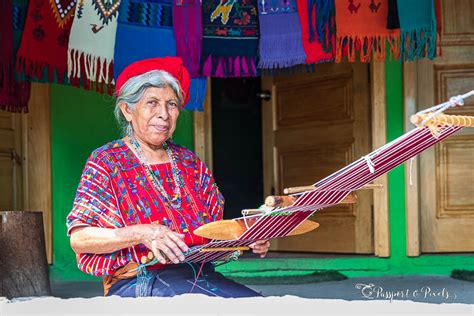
<point x="252" y="212"/>
<point x="224" y="249"/>
<point x="279" y="200"/>
<point x="301" y="189"/>
<point x="453" y="120"/>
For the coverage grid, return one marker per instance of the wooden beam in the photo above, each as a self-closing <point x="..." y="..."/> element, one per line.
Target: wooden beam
<point x="412" y="202"/>
<point x="203" y="129"/>
<point x="37" y="158"/>
<point x="379" y="138"/>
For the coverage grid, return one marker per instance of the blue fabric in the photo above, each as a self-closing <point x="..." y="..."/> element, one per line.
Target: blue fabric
<point x="141" y="36"/>
<point x="179" y="279"/>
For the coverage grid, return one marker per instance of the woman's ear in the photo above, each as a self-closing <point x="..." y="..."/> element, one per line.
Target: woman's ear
<point x="126" y="111"/>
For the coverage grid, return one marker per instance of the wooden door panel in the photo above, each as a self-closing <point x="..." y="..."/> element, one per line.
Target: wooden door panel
<point x="455" y="176"/>
<point x="446" y="171"/>
<point x="320" y="123"/>
<point x="10" y="171"/>
<point x="6" y="182"/>
<point x="320" y="100"/>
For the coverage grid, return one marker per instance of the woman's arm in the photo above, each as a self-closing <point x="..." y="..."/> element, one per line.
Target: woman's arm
<point x="163" y="242"/>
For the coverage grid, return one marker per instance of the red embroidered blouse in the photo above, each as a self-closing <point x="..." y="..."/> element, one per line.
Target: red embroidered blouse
<point x="115" y="192"/>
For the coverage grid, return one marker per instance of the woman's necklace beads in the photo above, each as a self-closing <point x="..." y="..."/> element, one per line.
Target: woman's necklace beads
<point x="175" y="199"/>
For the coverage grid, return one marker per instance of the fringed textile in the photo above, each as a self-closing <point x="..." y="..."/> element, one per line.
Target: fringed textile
<point x="14" y="95"/>
<point x="145" y="30"/>
<point x="393" y="22"/>
<point x="439" y="28"/>
<point x="417" y="29"/>
<point x="317" y="23"/>
<point x="230" y="38"/>
<point x="43" y="51"/>
<point x="361" y="26"/>
<point x="280" y="43"/>
<point x="187" y="26"/>
<point x="91" y="45"/>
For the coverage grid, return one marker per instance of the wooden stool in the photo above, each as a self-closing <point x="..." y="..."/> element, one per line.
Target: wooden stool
<point x="23" y="260"/>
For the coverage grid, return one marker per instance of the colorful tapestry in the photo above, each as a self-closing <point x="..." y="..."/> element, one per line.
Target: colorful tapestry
<point x="43" y="51"/>
<point x="14" y="95"/>
<point x="317" y="24"/>
<point x="280" y="43"/>
<point x="230" y="38"/>
<point x="362" y="26"/>
<point x="187" y="26"/>
<point x="417" y="29"/>
<point x="91" y="45"/>
<point x="145" y="30"/>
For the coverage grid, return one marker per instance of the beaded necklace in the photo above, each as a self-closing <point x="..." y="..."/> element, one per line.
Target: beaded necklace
<point x="175" y="199"/>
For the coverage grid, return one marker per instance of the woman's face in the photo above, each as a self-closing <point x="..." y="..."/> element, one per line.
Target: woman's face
<point x="155" y="115"/>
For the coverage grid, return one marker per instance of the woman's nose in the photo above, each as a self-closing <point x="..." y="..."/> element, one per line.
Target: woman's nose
<point x="162" y="111"/>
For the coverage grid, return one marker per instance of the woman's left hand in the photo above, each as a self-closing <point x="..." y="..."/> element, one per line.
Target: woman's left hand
<point x="260" y="247"/>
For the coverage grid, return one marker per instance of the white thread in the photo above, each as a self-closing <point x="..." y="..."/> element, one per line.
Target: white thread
<point x="411" y="170"/>
<point x="245" y="220"/>
<point x="370" y="163"/>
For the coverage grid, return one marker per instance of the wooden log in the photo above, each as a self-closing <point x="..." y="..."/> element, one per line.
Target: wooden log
<point x="23" y="252"/>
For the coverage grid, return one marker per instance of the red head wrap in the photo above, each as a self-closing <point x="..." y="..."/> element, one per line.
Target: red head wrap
<point x="172" y="65"/>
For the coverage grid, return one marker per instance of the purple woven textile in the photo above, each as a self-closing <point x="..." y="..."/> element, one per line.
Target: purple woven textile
<point x="280" y="43"/>
<point x="187" y="26"/>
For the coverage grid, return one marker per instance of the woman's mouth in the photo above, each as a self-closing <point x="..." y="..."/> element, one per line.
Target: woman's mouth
<point x="161" y="128"/>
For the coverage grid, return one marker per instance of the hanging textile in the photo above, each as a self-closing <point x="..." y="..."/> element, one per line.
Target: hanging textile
<point x="280" y="43"/>
<point x="362" y="26"/>
<point x="317" y="24"/>
<point x="91" y="45"/>
<point x="145" y="30"/>
<point x="393" y="22"/>
<point x="14" y="95"/>
<point x="187" y="26"/>
<point x="417" y="29"/>
<point x="439" y="28"/>
<point x="230" y="38"/>
<point x="43" y="51"/>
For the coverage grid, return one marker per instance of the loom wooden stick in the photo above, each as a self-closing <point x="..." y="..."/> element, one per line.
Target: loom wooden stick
<point x="232" y="229"/>
<point x="453" y="120"/>
<point x="241" y="248"/>
<point x="252" y="212"/>
<point x="285" y="200"/>
<point x="292" y="190"/>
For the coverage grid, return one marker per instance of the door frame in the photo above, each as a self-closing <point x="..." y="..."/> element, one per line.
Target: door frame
<point x="203" y="148"/>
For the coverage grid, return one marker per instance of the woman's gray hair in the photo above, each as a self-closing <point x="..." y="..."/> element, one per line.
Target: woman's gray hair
<point x="134" y="89"/>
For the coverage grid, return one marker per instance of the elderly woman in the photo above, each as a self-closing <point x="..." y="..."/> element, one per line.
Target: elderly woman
<point x="143" y="195"/>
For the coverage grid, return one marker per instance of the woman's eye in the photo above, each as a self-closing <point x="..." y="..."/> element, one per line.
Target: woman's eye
<point x="172" y="104"/>
<point x="152" y="103"/>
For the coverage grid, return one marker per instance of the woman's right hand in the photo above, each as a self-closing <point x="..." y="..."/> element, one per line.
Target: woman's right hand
<point x="163" y="242"/>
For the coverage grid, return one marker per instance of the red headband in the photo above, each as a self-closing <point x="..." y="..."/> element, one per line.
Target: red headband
<point x="172" y="65"/>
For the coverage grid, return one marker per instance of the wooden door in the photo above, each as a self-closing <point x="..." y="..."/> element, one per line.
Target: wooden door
<point x="447" y="170"/>
<point x="313" y="125"/>
<point x="10" y="161"/>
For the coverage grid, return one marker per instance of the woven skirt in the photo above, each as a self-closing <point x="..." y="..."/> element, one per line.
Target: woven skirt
<point x="181" y="279"/>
